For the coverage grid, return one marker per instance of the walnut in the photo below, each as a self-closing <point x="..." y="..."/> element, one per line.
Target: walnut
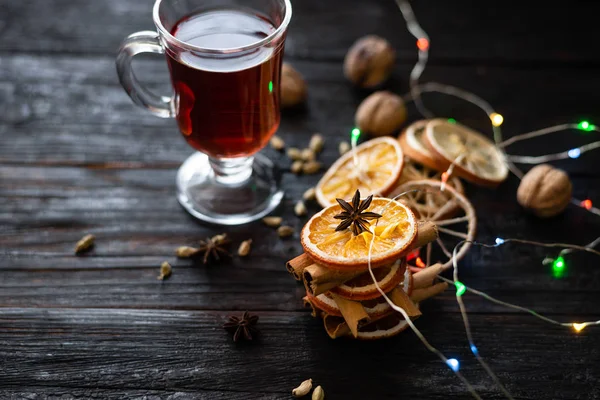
<point x="382" y="113"/>
<point x="369" y="61"/>
<point x="545" y="190"/>
<point x="293" y="87"/>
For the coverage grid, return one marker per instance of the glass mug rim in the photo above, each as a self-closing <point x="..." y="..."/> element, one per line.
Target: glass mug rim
<point x="190" y="47"/>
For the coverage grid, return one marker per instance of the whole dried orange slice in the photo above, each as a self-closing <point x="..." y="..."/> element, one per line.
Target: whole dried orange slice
<point x="326" y="243"/>
<point x="475" y="157"/>
<point x="412" y="142"/>
<point x="374" y="167"/>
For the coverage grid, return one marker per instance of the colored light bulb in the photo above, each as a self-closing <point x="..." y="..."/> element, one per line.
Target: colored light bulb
<point x="460" y="288"/>
<point x="497" y="119"/>
<point x="579" y="327"/>
<point x="452" y="120"/>
<point x="474" y="349"/>
<point x="499" y="241"/>
<point x="453" y="364"/>
<point x="445" y="177"/>
<point x="587" y="204"/>
<point x="585" y="126"/>
<point x="574" y="153"/>
<point x="423" y="44"/>
<point x="420" y="263"/>
<point x="355" y="133"/>
<point x="271" y="87"/>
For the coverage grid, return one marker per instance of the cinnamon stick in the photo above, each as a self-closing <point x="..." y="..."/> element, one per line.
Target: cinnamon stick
<point x="297" y="265"/>
<point x="319" y="279"/>
<point x="401" y="299"/>
<point x="425" y="277"/>
<point x="353" y="312"/>
<point x="336" y="326"/>
<point x="422" y="294"/>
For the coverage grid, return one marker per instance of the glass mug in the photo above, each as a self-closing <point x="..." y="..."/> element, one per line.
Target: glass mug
<point x="224" y="58"/>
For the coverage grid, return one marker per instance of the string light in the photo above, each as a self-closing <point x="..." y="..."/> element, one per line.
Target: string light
<point x="423" y="44"/>
<point x="587" y="204"/>
<point x="355" y="133"/>
<point x="579" y="327"/>
<point x="574" y="153"/>
<point x="453" y="364"/>
<point x="558" y="267"/>
<point x="420" y="263"/>
<point x="499" y="241"/>
<point x="474" y="350"/>
<point x="585" y="126"/>
<point x="460" y="288"/>
<point x="270" y="86"/>
<point x="497" y="119"/>
<point x="452" y="120"/>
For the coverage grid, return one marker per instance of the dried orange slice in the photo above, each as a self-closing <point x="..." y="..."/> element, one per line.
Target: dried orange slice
<point x="383" y="328"/>
<point x="374" y="167"/>
<point x="461" y="225"/>
<point x="393" y="232"/>
<point x="414" y="171"/>
<point x="475" y="157"/>
<point x="412" y="143"/>
<point x="374" y="307"/>
<point x="363" y="288"/>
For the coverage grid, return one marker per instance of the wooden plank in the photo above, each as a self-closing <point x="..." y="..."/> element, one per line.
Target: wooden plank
<point x="51" y="351"/>
<point x="87" y="119"/>
<point x="508" y="31"/>
<point x="44" y="391"/>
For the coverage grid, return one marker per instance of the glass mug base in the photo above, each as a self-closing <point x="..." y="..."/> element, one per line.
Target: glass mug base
<point x="248" y="189"/>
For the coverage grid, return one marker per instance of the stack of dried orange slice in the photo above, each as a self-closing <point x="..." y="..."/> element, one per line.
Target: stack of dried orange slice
<point x="347" y="242"/>
<point x="439" y="144"/>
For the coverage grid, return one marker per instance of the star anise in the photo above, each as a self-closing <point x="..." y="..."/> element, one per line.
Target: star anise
<point x="242" y="328"/>
<point x="213" y="247"/>
<point x="354" y="214"/>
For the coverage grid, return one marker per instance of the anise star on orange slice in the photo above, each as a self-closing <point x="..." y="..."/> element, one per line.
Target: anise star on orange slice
<point x="354" y="214"/>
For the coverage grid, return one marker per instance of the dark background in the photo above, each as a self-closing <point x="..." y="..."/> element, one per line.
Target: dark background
<point x="76" y="156"/>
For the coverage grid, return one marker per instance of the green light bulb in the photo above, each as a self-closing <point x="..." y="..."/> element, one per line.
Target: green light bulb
<point x="355" y="133"/>
<point x="585" y="126"/>
<point x="452" y="120"/>
<point x="460" y="288"/>
<point x="271" y="87"/>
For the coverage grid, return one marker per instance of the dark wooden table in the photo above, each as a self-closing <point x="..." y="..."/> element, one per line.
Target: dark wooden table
<point x="77" y="156"/>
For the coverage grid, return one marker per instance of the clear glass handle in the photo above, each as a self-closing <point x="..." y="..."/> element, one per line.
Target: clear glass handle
<point x="142" y="42"/>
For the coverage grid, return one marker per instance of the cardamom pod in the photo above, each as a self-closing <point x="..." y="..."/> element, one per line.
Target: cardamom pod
<point x="277" y="143"/>
<point x="303" y="389"/>
<point x="84" y="244"/>
<point x="244" y="249"/>
<point x="186" y="251"/>
<point x="272" y="222"/>
<point x="300" y="209"/>
<point x="285" y="231"/>
<point x="294" y="153"/>
<point x="297" y="167"/>
<point x="309" y="194"/>
<point x="316" y="143"/>
<point x="343" y="148"/>
<point x="165" y="271"/>
<point x="318" y="394"/>
<point x="311" y="167"/>
<point x="308" y="155"/>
